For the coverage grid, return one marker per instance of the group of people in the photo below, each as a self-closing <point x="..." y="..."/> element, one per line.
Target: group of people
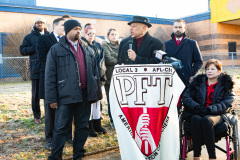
<point x="70" y="71"/>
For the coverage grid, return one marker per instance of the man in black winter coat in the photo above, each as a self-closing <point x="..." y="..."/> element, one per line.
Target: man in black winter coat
<point x="72" y="83"/>
<point x="184" y="49"/>
<point x="143" y="44"/>
<point x="44" y="44"/>
<point x="29" y="48"/>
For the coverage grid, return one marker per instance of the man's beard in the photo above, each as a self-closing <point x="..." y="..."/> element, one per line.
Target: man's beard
<point x="38" y="29"/>
<point x="178" y="34"/>
<point x="77" y="37"/>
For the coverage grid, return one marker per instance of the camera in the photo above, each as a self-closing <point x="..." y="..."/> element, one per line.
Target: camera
<point x="176" y="63"/>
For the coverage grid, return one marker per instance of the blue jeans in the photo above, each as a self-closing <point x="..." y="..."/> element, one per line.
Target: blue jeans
<point x="63" y="121"/>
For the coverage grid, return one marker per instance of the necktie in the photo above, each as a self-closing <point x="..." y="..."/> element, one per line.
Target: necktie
<point x="58" y="38"/>
<point x="75" y="45"/>
<point x="178" y="42"/>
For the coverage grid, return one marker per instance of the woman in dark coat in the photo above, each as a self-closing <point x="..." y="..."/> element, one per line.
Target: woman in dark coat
<point x="207" y="98"/>
<point x="110" y="51"/>
<point x="95" y="117"/>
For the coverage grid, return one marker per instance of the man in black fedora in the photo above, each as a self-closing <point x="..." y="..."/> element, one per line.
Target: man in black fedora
<point x="140" y="46"/>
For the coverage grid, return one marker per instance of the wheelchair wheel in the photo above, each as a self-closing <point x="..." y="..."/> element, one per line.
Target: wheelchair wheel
<point x="236" y="142"/>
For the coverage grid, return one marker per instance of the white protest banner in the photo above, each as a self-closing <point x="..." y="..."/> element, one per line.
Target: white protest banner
<point x="144" y="110"/>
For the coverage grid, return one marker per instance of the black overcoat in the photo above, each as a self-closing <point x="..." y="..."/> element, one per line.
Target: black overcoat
<point x="195" y="96"/>
<point x="188" y="52"/>
<point x="98" y="53"/>
<point x="29" y="48"/>
<point x="145" y="53"/>
<point x="45" y="42"/>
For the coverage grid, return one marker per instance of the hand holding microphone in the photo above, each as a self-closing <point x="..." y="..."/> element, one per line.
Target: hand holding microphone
<point x="131" y="54"/>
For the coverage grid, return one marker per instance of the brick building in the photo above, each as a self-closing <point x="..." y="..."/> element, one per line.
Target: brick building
<point x="216" y="30"/>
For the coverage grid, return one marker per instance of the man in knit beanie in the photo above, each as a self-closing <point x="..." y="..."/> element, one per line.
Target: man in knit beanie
<point x="72" y="83"/>
<point x="29" y="48"/>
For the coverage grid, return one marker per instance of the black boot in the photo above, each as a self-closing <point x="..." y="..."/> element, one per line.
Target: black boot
<point x="92" y="132"/>
<point x="98" y="127"/>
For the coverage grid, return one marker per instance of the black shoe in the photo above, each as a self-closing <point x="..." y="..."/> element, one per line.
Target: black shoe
<point x="92" y="132"/>
<point x="83" y="150"/>
<point x="79" y="158"/>
<point x="98" y="127"/>
<point x="48" y="146"/>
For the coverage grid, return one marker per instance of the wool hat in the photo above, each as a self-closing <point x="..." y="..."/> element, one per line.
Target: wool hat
<point x="70" y="24"/>
<point x="40" y="19"/>
<point x="140" y="19"/>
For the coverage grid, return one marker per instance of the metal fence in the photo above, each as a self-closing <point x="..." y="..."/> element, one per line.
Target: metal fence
<point x="16" y="69"/>
<point x="230" y="60"/>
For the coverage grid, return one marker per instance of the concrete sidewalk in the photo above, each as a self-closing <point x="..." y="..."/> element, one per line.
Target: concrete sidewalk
<point x="115" y="154"/>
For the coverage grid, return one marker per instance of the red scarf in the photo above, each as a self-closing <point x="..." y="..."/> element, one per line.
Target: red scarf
<point x="139" y="41"/>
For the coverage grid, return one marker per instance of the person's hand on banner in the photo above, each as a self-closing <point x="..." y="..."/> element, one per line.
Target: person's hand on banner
<point x="146" y="135"/>
<point x="143" y="121"/>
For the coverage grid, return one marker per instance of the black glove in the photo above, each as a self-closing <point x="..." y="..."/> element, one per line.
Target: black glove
<point x="199" y="110"/>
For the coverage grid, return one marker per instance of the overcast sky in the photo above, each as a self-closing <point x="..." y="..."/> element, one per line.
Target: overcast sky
<point x="152" y="8"/>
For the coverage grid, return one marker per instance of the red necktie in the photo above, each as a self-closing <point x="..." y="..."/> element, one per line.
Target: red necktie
<point x="178" y="42"/>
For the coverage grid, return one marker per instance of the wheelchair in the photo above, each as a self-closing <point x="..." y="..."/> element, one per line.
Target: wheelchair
<point x="228" y="129"/>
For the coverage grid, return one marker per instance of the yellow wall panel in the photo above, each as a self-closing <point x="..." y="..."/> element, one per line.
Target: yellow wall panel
<point x="224" y="10"/>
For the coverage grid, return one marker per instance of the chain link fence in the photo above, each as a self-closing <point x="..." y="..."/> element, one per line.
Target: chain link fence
<point x="16" y="69"/>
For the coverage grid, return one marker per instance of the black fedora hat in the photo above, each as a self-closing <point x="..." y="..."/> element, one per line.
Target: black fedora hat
<point x="140" y="19"/>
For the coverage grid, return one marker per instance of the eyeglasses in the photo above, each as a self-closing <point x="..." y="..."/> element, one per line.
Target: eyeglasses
<point x="91" y="33"/>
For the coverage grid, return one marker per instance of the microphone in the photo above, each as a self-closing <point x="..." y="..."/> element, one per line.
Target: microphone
<point x="130" y="44"/>
<point x="160" y="54"/>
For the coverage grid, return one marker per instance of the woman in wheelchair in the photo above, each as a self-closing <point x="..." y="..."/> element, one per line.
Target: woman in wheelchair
<point x="207" y="98"/>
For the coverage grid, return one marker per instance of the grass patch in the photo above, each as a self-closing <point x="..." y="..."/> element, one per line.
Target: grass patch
<point x="23" y="139"/>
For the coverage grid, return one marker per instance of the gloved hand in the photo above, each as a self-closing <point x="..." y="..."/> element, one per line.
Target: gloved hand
<point x="199" y="110"/>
